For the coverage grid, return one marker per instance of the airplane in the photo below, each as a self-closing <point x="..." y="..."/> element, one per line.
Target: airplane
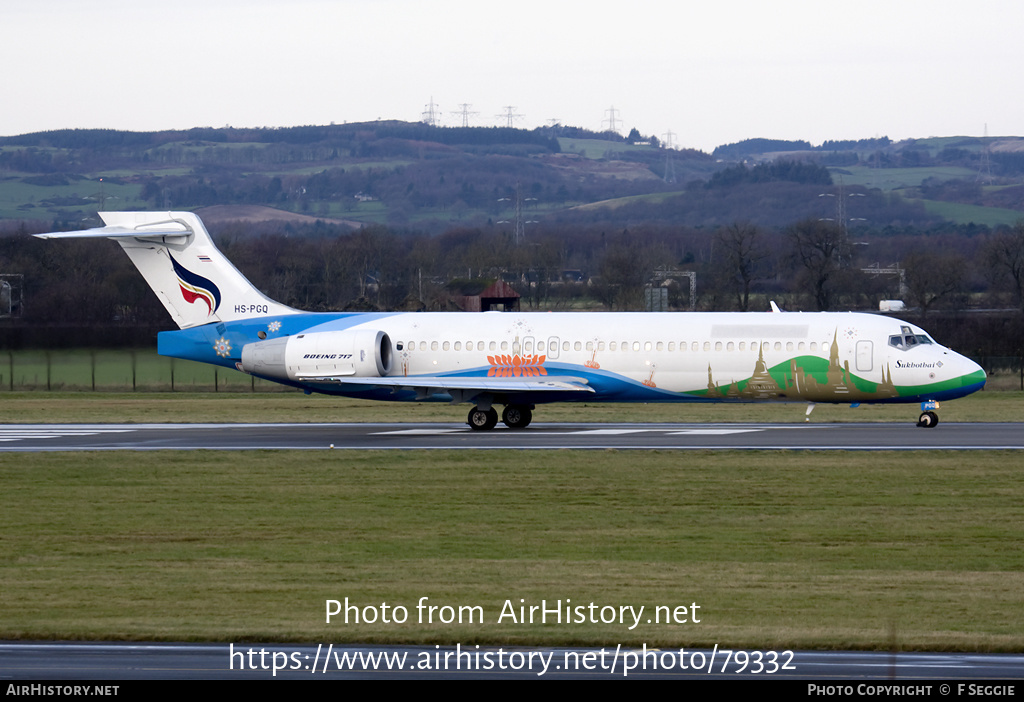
<point x="521" y="360"/>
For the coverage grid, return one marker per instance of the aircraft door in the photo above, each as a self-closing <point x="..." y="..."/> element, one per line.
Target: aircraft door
<point x="552" y="347"/>
<point x="865" y="355"/>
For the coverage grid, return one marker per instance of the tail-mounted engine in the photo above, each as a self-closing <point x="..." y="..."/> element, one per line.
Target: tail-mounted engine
<point x="362" y="353"/>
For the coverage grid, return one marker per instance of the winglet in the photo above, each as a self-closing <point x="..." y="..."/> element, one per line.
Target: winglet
<point x="775" y="308"/>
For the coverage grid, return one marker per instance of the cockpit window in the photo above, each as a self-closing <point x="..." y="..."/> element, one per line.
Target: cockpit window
<point x="907" y="339"/>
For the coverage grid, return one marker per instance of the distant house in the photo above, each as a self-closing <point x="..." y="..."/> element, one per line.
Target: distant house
<point x="483" y="295"/>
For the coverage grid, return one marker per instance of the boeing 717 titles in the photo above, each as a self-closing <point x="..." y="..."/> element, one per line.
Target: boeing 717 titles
<point x="521" y="360"/>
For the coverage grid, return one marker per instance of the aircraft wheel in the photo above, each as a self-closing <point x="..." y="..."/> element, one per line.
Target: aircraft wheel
<point x="517" y="416"/>
<point x="482" y="420"/>
<point x="928" y="420"/>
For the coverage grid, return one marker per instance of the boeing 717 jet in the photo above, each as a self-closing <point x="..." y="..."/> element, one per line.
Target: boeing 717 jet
<point x="521" y="360"/>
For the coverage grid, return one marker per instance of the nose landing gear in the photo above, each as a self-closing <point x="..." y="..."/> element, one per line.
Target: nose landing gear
<point x="928" y="418"/>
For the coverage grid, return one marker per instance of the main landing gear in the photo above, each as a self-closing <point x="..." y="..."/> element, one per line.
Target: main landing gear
<point x="928" y="418"/>
<point x="514" y="417"/>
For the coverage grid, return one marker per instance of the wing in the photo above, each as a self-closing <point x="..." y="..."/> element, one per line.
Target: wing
<point x="462" y="389"/>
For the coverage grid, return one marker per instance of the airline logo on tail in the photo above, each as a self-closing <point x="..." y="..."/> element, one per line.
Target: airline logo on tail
<point x="196" y="287"/>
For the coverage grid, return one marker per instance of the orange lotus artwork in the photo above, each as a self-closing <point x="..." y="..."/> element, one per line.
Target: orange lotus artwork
<point x="516" y="366"/>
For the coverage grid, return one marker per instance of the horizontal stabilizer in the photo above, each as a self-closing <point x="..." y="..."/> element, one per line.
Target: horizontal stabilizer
<point x="179" y="260"/>
<point x="115" y="233"/>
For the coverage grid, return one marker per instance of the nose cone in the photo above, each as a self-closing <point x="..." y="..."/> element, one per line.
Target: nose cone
<point x="966" y="376"/>
<point x="975" y="376"/>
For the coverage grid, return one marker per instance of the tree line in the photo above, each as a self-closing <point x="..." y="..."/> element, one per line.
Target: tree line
<point x="808" y="265"/>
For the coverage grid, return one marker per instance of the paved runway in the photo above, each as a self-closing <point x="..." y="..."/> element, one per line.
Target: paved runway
<point x="847" y="437"/>
<point x="79" y="661"/>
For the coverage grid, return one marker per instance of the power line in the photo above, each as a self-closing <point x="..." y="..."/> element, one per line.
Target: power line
<point x="465" y="113"/>
<point x="612" y="125"/>
<point x="430" y="113"/>
<point x="510" y="115"/>
<point x="985" y="169"/>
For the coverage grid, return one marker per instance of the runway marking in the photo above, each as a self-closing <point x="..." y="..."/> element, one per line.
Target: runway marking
<point x="581" y="432"/>
<point x="710" y="432"/>
<point x="420" y="432"/>
<point x="597" y="432"/>
<point x="22" y="434"/>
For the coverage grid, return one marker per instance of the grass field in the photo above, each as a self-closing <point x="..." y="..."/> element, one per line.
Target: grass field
<point x="973" y="214"/>
<point x="597" y="148"/>
<point x="894" y="178"/>
<point x="779" y="549"/>
<point x="293" y="406"/>
<point x="782" y="550"/>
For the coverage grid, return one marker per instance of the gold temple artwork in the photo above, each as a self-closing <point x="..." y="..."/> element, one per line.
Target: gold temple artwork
<point x="803" y="384"/>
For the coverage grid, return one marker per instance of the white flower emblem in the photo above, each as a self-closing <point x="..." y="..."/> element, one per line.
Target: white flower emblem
<point x="222" y="347"/>
<point x="274" y="326"/>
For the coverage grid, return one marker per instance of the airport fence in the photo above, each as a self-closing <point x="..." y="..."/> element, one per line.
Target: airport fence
<point x="1005" y="372"/>
<point x="119" y="370"/>
<point x="142" y="370"/>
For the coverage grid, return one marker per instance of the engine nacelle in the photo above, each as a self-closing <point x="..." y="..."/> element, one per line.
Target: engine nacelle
<point x="363" y="353"/>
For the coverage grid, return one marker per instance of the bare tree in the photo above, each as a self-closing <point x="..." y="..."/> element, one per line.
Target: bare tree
<point x="742" y="251"/>
<point x="931" y="277"/>
<point x="822" y="250"/>
<point x="1006" y="258"/>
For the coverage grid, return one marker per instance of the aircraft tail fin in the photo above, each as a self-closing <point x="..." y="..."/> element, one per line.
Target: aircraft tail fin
<point x="195" y="282"/>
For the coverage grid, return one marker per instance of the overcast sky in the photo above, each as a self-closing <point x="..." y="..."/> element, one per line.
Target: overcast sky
<point x="712" y="73"/>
